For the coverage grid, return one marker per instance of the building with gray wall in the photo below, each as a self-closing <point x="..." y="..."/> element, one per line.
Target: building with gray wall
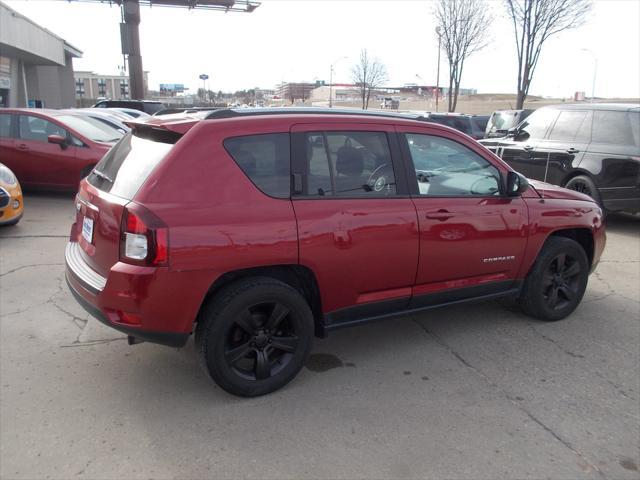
<point x="36" y="66"/>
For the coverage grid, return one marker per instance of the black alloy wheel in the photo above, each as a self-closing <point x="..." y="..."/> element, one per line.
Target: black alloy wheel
<point x="254" y="336"/>
<point x="561" y="281"/>
<point x="557" y="280"/>
<point x="584" y="184"/>
<point x="261" y="341"/>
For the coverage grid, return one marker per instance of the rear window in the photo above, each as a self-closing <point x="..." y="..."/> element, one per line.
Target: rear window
<point x="265" y="160"/>
<point x="125" y="167"/>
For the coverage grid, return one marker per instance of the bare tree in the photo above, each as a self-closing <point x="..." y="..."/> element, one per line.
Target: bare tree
<point x="534" y="21"/>
<point x="462" y="27"/>
<point x="368" y="75"/>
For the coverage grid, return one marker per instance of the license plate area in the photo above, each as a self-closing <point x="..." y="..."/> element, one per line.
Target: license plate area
<point x="87" y="229"/>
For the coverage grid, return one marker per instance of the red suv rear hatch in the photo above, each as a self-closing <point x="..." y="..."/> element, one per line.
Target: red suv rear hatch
<point x="103" y="197"/>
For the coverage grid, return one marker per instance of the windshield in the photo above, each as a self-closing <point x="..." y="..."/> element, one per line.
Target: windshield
<point x="91" y="128"/>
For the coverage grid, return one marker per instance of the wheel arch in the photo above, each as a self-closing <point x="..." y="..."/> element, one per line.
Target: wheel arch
<point x="299" y="277"/>
<point x="583" y="236"/>
<point x="577" y="173"/>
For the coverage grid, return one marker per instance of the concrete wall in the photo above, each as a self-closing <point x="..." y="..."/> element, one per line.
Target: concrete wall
<point x="19" y="33"/>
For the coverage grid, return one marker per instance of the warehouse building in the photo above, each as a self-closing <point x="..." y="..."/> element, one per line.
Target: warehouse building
<point x="36" y="66"/>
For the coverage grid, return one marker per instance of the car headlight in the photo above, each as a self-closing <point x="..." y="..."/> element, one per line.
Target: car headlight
<point x="7" y="176"/>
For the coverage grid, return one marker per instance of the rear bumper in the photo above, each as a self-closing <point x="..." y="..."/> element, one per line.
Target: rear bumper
<point x="157" y="305"/>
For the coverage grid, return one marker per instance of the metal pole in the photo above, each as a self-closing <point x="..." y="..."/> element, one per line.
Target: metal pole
<point x="438" y="69"/>
<point x="593" y="83"/>
<point x="331" y="87"/>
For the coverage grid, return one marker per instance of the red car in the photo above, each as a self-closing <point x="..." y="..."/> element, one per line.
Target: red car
<point x="52" y="149"/>
<point x="256" y="229"/>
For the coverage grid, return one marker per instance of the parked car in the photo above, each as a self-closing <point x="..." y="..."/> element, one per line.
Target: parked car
<point x="256" y="228"/>
<point x="591" y="148"/>
<point x="11" y="203"/>
<point x="146" y="106"/>
<point x="129" y="113"/>
<point x="102" y="115"/>
<point x="472" y="125"/>
<point x="501" y="121"/>
<point x="52" y="149"/>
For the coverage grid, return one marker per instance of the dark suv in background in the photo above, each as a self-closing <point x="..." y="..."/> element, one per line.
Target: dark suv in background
<point x="472" y="125"/>
<point x="146" y="106"/>
<point x="590" y="148"/>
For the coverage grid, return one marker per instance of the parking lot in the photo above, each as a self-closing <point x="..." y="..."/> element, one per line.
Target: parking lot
<point x="467" y="392"/>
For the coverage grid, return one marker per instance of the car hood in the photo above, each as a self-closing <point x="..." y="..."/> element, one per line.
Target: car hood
<point x="547" y="190"/>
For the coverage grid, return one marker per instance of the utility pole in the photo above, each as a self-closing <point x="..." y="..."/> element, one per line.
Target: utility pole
<point x="130" y="36"/>
<point x="439" y="33"/>
<point x="331" y="82"/>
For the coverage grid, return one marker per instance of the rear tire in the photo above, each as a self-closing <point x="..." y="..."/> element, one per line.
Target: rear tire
<point x="584" y="184"/>
<point x="557" y="282"/>
<point x="254" y="336"/>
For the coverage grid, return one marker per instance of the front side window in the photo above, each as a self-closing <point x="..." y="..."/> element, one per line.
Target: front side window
<point x="265" y="160"/>
<point x="348" y="164"/>
<point x="446" y="168"/>
<point x="536" y="124"/>
<point x="570" y="126"/>
<point x="38" y="129"/>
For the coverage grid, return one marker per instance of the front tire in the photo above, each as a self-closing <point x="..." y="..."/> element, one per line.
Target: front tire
<point x="254" y="336"/>
<point x="557" y="282"/>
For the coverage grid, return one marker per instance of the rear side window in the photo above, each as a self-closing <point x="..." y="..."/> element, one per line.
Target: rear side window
<point x="265" y="160"/>
<point x="5" y="125"/>
<point x="348" y="164"/>
<point x="125" y="167"/>
<point x="615" y="127"/>
<point x="571" y="125"/>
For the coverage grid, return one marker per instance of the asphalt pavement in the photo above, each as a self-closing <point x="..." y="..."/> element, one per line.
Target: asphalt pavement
<point x="470" y="392"/>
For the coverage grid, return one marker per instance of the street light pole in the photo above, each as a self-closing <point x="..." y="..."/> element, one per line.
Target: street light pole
<point x="595" y="71"/>
<point x="331" y="81"/>
<point x="439" y="33"/>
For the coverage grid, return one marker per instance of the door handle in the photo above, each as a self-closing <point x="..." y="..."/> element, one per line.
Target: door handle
<point x="527" y="148"/>
<point x="441" y="214"/>
<point x="22" y="146"/>
<point x="573" y="150"/>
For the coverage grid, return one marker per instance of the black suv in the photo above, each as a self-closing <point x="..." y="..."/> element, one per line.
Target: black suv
<point x="146" y="106"/>
<point x="591" y="148"/>
<point x="472" y="125"/>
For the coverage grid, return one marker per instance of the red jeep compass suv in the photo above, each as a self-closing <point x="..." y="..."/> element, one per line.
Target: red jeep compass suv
<point x="256" y="229"/>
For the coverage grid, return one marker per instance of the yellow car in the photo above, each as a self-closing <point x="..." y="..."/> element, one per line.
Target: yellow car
<point x="11" y="205"/>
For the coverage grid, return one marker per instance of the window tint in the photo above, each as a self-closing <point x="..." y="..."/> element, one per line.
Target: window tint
<point x="447" y="168"/>
<point x="615" y="127"/>
<point x="537" y="123"/>
<point x="265" y="160"/>
<point x="348" y="164"/>
<point x="38" y="129"/>
<point x="5" y="125"/>
<point x="125" y="167"/>
<point x="570" y="125"/>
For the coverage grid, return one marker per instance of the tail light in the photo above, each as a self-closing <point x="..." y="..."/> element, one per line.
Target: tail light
<point x="144" y="238"/>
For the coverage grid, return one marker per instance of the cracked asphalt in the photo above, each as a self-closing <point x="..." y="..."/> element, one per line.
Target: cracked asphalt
<point x="470" y="392"/>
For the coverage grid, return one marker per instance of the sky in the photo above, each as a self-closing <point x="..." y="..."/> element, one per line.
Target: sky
<point x="298" y="40"/>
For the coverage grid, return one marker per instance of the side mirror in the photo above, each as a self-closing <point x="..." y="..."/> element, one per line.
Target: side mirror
<point x="516" y="184"/>
<point x="58" y="140"/>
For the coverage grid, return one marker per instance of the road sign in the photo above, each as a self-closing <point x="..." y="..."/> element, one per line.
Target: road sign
<point x="204" y="76"/>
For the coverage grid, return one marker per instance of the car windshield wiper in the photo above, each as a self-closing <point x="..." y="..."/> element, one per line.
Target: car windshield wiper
<point x="102" y="175"/>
